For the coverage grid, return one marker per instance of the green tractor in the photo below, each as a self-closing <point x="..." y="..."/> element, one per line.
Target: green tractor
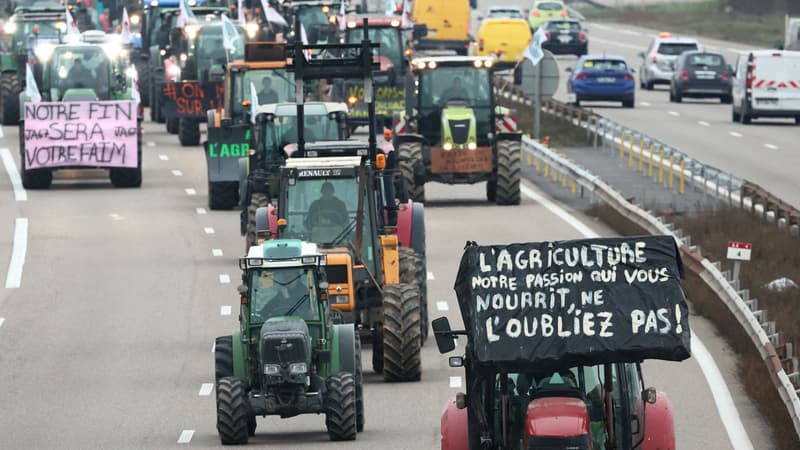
<point x="28" y="27"/>
<point x="103" y="126"/>
<point x="288" y="356"/>
<point x="455" y="133"/>
<point x="318" y="18"/>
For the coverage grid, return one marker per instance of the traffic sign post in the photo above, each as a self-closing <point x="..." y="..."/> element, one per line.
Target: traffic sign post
<point x="738" y="252"/>
<point x="540" y="82"/>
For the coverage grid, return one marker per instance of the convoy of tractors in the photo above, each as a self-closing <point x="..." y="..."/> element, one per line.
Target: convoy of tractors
<point x="334" y="226"/>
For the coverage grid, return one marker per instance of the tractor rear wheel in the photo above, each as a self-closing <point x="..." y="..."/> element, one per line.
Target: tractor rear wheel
<point x="359" y="379"/>
<point x="491" y="191"/>
<point x="410" y="157"/>
<point x="408" y="265"/>
<point x="188" y="132"/>
<point x="257" y="200"/>
<point x="340" y="414"/>
<point x="508" y="172"/>
<point x="172" y="125"/>
<point x="223" y="358"/>
<point x="251" y="426"/>
<point x="36" y="178"/>
<point x="422" y="284"/>
<point x="223" y="194"/>
<point x="128" y="177"/>
<point x="402" y="342"/>
<point x="377" y="348"/>
<point x="9" y="95"/>
<point x="232" y="415"/>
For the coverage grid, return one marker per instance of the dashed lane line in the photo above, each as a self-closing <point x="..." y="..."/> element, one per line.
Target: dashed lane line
<point x="185" y="437"/>
<point x="177" y="173"/>
<point x="18" y="252"/>
<point x="208" y="230"/>
<point x="1" y="321"/>
<point x="190" y="191"/>
<point x="163" y="157"/>
<point x="216" y="252"/>
<point x="225" y="310"/>
<point x="214" y="347"/>
<point x="771" y="147"/>
<point x="644" y="103"/>
<point x="224" y="278"/>
<point x="704" y="123"/>
<point x="201" y="211"/>
<point x="442" y="306"/>
<point x="20" y="194"/>
<point x="151" y="144"/>
<point x="205" y="389"/>
<point x="735" y="134"/>
<point x="674" y="113"/>
<point x="455" y="382"/>
<point x="430" y="276"/>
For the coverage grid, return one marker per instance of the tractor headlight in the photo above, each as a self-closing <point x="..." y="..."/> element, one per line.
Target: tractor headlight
<point x="298" y="368"/>
<point x="272" y="369"/>
<point x="191" y="31"/>
<point x="487" y="63"/>
<point x="251" y="29"/>
<point x="339" y="299"/>
<point x="61" y="26"/>
<point x="44" y="51"/>
<point x="135" y="19"/>
<point x="431" y="64"/>
<point x="10" y="27"/>
<point x="447" y="146"/>
<point x="477" y="63"/>
<point x="183" y="57"/>
<point x="173" y="71"/>
<point x="472" y="146"/>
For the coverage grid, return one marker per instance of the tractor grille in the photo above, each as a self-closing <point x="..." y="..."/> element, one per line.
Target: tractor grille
<point x="285" y="341"/>
<point x="336" y="274"/>
<point x="559" y="443"/>
<point x="459" y="129"/>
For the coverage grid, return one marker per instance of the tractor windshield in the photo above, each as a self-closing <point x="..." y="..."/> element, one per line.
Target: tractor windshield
<point x="271" y="85"/>
<point x="210" y="49"/>
<point x="318" y="125"/>
<point x="40" y="29"/>
<point x="79" y="67"/>
<point x="311" y="16"/>
<point x="288" y="291"/>
<point x="389" y="39"/>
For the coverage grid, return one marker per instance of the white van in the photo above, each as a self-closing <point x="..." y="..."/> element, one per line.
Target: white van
<point x="766" y="84"/>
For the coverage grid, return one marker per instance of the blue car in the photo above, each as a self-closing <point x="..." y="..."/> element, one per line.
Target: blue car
<point x="601" y="78"/>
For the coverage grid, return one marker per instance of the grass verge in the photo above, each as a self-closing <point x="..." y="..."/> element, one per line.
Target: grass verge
<point x="779" y="252"/>
<point x="707" y="19"/>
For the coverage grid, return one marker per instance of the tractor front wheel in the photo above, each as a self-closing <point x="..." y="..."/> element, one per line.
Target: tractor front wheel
<point x="508" y="172"/>
<point x="377" y="348"/>
<point x="422" y="283"/>
<point x="188" y="132"/>
<point x="359" y="379"/>
<point x="232" y="416"/>
<point x="257" y="200"/>
<point x="223" y="194"/>
<point x="410" y="157"/>
<point x="402" y="342"/>
<point x="408" y="265"/>
<point x="223" y="357"/>
<point x="36" y="179"/>
<point x="9" y="95"/>
<point x="128" y="177"/>
<point x="340" y="414"/>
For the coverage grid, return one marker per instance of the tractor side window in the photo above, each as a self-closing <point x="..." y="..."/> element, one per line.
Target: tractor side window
<point x="636" y="406"/>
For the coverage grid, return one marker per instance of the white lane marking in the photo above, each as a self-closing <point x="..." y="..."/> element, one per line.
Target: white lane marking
<point x="18" y="252"/>
<point x="209" y="230"/>
<point x="205" y="389"/>
<point x="224" y="278"/>
<point x="430" y="276"/>
<point x="616" y="44"/>
<point x="225" y="310"/>
<point x="216" y="252"/>
<point x="771" y="147"/>
<point x="115" y="216"/>
<point x="177" y="173"/>
<point x="455" y="382"/>
<point x="735" y="134"/>
<point x="630" y="32"/>
<point x="1" y="132"/>
<point x="734" y="50"/>
<point x="722" y="396"/>
<point x="644" y="103"/>
<point x="442" y="306"/>
<point x="151" y="144"/>
<point x="716" y="383"/>
<point x="163" y="157"/>
<point x="673" y="113"/>
<point x="214" y="347"/>
<point x="601" y="26"/>
<point x="1" y="321"/>
<point x="704" y="123"/>
<point x="20" y="194"/>
<point x="190" y="191"/>
<point x="200" y="211"/>
<point x="185" y="437"/>
<point x="559" y="212"/>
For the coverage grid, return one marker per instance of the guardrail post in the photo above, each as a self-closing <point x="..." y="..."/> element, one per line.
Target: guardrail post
<point x="630" y="154"/>
<point x="641" y="156"/>
<point x="622" y="144"/>
<point x="661" y="164"/>
<point x="670" y="179"/>
<point x="650" y="162"/>
<point x="537" y="164"/>
<point x="681" y="177"/>
<point x="546" y="169"/>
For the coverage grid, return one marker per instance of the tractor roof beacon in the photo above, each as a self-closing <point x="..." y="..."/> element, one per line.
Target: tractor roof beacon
<point x="557" y="365"/>
<point x="288" y="356"/>
<point x="455" y="133"/>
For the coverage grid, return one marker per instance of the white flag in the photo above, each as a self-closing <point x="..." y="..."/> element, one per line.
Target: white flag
<point x="229" y="34"/>
<point x="407" y="22"/>
<point x="272" y="15"/>
<point x="534" y="50"/>
<point x="31" y="89"/>
<point x="304" y="40"/>
<point x="391" y="7"/>
<point x="253" y="102"/>
<point x="341" y="16"/>
<point x="72" y="25"/>
<point x="135" y="85"/>
<point x="185" y="16"/>
<point x="240" y="12"/>
<point x="126" y="36"/>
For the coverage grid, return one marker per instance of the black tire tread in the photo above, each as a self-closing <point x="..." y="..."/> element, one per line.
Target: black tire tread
<point x="411" y="156"/>
<point x="223" y="358"/>
<point x="508" y="172"/>
<point x="188" y="132"/>
<point x="422" y="284"/>
<point x="232" y="414"/>
<point x="402" y="343"/>
<point x="9" y="93"/>
<point x="340" y="413"/>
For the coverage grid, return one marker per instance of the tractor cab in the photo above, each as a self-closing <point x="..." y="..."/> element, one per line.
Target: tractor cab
<point x="322" y="121"/>
<point x="318" y="19"/>
<point x="263" y="70"/>
<point x="85" y="72"/>
<point x="554" y="361"/>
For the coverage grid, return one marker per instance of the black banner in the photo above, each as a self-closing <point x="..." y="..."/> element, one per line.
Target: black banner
<point x="190" y="99"/>
<point x="589" y="301"/>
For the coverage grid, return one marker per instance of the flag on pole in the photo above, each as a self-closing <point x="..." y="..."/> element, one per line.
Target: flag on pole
<point x="391" y="7"/>
<point x="126" y="36"/>
<point x="72" y="24"/>
<point x="135" y="85"/>
<point x="240" y="12"/>
<point x="185" y="15"/>
<point x="341" y="16"/>
<point x="407" y="22"/>
<point x="534" y="51"/>
<point x="31" y="89"/>
<point x="229" y="34"/>
<point x="272" y="15"/>
<point x="304" y="40"/>
<point x="253" y="102"/>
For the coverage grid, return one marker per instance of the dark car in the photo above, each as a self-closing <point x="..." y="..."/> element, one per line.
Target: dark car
<point x="565" y="37"/>
<point x="601" y="78"/>
<point x="701" y="74"/>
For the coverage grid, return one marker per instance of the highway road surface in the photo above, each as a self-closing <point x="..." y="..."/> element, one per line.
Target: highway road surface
<point x="116" y="295"/>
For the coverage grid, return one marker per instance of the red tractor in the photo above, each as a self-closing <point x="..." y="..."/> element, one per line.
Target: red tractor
<point x="559" y="367"/>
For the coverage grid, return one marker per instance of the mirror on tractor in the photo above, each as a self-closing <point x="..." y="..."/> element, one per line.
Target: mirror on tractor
<point x="242" y="289"/>
<point x="650" y="395"/>
<point x="444" y="337"/>
<point x="323" y="286"/>
<point x="420" y="31"/>
<point x="455" y="361"/>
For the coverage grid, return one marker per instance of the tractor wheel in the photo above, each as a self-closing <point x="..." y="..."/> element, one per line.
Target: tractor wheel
<point x="172" y="125"/>
<point x="251" y="426"/>
<point x="232" y="415"/>
<point x="257" y="200"/>
<point x="377" y="349"/>
<point x="36" y="179"/>
<point x="422" y="284"/>
<point x="491" y="191"/>
<point x="128" y="177"/>
<point x="402" y="343"/>
<point x="359" y="379"/>
<point x="408" y="265"/>
<point x="340" y="415"/>
<point x="9" y="95"/>
<point x="144" y="86"/>
<point x="411" y="156"/>
<point x="508" y="172"/>
<point x="223" y="358"/>
<point x="223" y="194"/>
<point x="188" y="132"/>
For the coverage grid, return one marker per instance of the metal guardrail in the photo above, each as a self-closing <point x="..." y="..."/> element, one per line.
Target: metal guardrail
<point x="762" y="333"/>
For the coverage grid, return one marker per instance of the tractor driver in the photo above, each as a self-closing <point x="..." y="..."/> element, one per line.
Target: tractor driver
<point x="327" y="210"/>
<point x="287" y="295"/>
<point x="456" y="91"/>
<point x="267" y="94"/>
<point x="79" y="76"/>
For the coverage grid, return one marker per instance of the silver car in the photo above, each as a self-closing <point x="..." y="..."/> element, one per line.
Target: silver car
<point x="658" y="62"/>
